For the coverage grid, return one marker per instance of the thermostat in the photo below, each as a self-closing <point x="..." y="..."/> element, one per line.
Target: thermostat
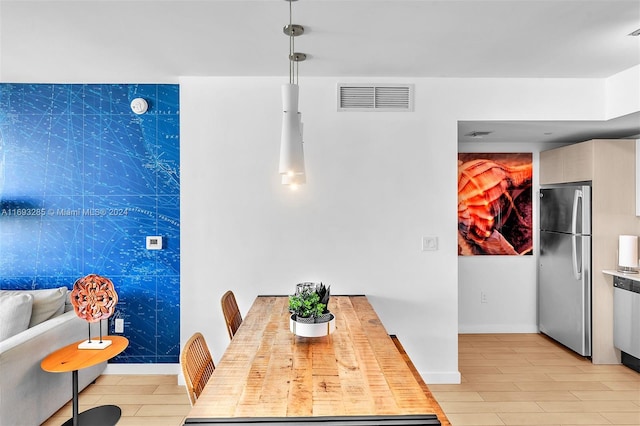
<point x="154" y="243"/>
<point x="139" y="106"/>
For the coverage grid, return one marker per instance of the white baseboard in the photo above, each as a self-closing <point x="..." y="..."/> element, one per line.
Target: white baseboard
<point x="445" y="378"/>
<point x="142" y="369"/>
<point x="496" y="328"/>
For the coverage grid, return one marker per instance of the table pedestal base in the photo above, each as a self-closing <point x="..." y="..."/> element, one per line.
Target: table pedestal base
<point x="106" y="415"/>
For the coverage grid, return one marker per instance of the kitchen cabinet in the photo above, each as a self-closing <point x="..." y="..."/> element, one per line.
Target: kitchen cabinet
<point x="571" y="163"/>
<point x="610" y="165"/>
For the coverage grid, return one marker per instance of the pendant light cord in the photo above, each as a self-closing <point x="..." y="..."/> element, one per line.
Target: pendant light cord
<point x="291" y="45"/>
<point x="293" y="63"/>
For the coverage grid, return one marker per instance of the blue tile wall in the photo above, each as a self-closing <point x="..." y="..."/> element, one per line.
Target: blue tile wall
<point x="83" y="181"/>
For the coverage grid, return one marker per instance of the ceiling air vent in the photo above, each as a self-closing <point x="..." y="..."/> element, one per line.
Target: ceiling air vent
<point x="477" y="134"/>
<point x="374" y="97"/>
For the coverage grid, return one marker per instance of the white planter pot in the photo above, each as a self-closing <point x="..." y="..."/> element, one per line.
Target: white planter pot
<point x="319" y="329"/>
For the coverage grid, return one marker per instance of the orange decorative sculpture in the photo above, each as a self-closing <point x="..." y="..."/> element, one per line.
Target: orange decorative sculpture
<point x="94" y="298"/>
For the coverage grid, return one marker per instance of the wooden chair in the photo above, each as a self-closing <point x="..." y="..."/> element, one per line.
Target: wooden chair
<point x="231" y="313"/>
<point x="197" y="365"/>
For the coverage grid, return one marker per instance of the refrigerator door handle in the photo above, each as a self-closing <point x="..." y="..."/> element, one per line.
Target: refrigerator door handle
<point x="577" y="271"/>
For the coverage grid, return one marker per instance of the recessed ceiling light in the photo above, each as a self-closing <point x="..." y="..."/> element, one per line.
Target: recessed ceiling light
<point x="635" y="33"/>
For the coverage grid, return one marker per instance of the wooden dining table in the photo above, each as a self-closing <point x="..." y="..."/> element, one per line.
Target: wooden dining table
<point x="268" y="372"/>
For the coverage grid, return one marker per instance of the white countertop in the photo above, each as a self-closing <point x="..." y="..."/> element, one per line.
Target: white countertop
<point x="634" y="277"/>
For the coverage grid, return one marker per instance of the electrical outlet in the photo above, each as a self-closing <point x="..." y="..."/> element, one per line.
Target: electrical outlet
<point x="119" y="327"/>
<point x="483" y="297"/>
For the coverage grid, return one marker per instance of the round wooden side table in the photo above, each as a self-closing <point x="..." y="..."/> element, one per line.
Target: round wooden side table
<point x="71" y="359"/>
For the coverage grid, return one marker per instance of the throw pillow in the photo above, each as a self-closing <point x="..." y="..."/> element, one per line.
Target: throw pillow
<point x="47" y="303"/>
<point x="15" y="314"/>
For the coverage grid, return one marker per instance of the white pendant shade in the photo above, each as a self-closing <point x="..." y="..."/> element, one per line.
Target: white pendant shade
<point x="291" y="167"/>
<point x="290" y="94"/>
<point x="291" y="151"/>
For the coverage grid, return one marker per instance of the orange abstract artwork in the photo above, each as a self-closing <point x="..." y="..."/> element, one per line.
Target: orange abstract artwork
<point x="93" y="298"/>
<point x="494" y="204"/>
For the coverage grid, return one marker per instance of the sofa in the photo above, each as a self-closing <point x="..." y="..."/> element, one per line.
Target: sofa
<point x="34" y="323"/>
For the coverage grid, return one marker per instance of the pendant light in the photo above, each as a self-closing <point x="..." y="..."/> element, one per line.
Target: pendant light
<point x="292" y="168"/>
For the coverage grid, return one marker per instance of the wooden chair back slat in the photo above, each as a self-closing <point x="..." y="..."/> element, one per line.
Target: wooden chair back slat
<point x="231" y="312"/>
<point x="197" y="365"/>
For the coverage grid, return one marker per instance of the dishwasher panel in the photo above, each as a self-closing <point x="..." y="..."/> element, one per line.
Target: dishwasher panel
<point x="626" y="320"/>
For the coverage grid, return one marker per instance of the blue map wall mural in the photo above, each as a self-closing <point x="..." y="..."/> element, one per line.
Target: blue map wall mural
<point x="83" y="182"/>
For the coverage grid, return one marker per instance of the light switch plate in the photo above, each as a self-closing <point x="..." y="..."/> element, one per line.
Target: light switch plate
<point x="119" y="326"/>
<point x="154" y="243"/>
<point x="429" y="243"/>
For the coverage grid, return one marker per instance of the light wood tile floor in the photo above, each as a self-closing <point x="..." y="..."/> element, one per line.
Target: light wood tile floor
<point x="507" y="379"/>
<point x="144" y="400"/>
<point x="528" y="379"/>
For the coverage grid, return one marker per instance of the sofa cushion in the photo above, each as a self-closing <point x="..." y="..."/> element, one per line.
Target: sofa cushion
<point x="15" y="314"/>
<point x="47" y="303"/>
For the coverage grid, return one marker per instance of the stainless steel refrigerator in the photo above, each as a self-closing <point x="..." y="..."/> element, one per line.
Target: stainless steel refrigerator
<point x="564" y="269"/>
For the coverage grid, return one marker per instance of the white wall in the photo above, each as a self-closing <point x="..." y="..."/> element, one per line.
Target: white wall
<point x="623" y="93"/>
<point x="377" y="182"/>
<point x="511" y="295"/>
<point x="509" y="283"/>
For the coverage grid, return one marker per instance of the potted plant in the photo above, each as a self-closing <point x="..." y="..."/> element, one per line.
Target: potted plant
<point x="306" y="306"/>
<point x="310" y="316"/>
<point x="324" y="294"/>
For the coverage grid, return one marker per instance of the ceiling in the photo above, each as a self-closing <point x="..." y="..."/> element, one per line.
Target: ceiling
<point x="160" y="40"/>
<point x="549" y="132"/>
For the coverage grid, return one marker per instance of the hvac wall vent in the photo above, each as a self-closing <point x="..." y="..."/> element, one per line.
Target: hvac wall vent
<point x="477" y="134"/>
<point x="374" y="97"/>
